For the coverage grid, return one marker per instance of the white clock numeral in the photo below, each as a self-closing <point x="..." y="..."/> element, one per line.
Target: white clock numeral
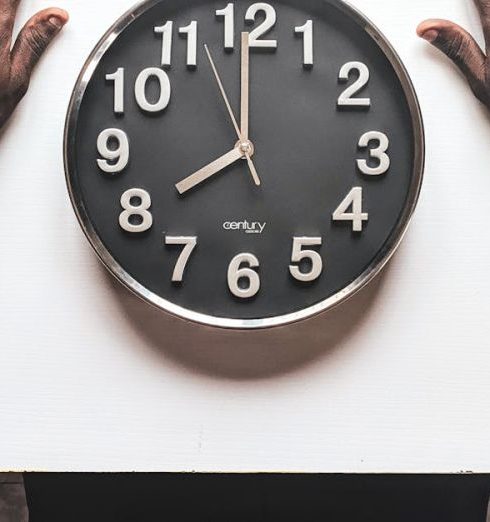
<point x="299" y="254"/>
<point x="379" y="153"/>
<point x="346" y="98"/>
<point x="140" y="89"/>
<point x="189" y="244"/>
<point x="191" y="32"/>
<point x="167" y="34"/>
<point x="236" y="273"/>
<point x="228" y="13"/>
<point x="136" y="203"/>
<point x="264" y="27"/>
<point x="118" y="156"/>
<point x="118" y="79"/>
<point x="353" y="200"/>
<point x="307" y="32"/>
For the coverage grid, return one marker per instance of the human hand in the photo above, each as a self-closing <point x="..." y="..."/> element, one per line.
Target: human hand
<point x="17" y="62"/>
<point x="463" y="50"/>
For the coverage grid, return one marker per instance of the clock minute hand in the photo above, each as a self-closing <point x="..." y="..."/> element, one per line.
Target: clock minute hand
<point x="246" y="147"/>
<point x="209" y="170"/>
<point x="245" y="86"/>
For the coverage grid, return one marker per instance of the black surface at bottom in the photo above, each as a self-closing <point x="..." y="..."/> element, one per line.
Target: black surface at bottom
<point x="256" y="498"/>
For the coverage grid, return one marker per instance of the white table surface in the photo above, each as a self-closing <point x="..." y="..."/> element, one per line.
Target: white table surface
<point x="396" y="380"/>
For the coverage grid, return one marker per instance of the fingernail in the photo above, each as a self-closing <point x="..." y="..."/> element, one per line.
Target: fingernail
<point x="53" y="20"/>
<point x="430" y="35"/>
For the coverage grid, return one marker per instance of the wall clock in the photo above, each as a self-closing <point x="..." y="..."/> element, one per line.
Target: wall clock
<point x="244" y="165"/>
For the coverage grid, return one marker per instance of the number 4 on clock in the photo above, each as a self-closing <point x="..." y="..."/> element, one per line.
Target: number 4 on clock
<point x="352" y="201"/>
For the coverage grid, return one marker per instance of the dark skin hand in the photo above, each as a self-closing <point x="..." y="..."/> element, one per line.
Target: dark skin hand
<point x="463" y="50"/>
<point x="17" y="61"/>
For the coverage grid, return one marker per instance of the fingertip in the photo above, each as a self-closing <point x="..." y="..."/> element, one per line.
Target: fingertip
<point x="58" y="16"/>
<point x="38" y="32"/>
<point x="430" y="35"/>
<point x="53" y="15"/>
<point x="458" y="45"/>
<point x="429" y="30"/>
<point x="421" y="29"/>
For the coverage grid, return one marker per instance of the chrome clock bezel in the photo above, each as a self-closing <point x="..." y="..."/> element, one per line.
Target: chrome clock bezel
<point x="376" y="266"/>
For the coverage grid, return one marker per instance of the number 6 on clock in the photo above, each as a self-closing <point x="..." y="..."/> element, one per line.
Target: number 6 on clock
<point x="237" y="272"/>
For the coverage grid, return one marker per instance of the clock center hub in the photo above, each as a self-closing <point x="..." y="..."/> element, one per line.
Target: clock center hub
<point x="247" y="147"/>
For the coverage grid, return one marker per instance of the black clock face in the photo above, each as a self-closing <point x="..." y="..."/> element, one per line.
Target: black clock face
<point x="244" y="164"/>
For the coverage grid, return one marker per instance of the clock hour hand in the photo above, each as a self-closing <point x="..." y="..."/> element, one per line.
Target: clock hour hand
<point x="209" y="170"/>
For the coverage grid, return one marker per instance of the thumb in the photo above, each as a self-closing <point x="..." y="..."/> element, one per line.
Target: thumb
<point x="459" y="46"/>
<point x="31" y="43"/>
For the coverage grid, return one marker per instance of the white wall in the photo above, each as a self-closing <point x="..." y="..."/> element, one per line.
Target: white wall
<point x="396" y="380"/>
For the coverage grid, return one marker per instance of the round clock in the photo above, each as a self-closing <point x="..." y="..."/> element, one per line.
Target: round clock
<point x="244" y="165"/>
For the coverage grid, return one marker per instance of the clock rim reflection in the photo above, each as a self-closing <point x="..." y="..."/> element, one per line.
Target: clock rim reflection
<point x="371" y="271"/>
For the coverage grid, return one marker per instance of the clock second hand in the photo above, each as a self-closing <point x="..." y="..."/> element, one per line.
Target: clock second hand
<point x="245" y="145"/>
